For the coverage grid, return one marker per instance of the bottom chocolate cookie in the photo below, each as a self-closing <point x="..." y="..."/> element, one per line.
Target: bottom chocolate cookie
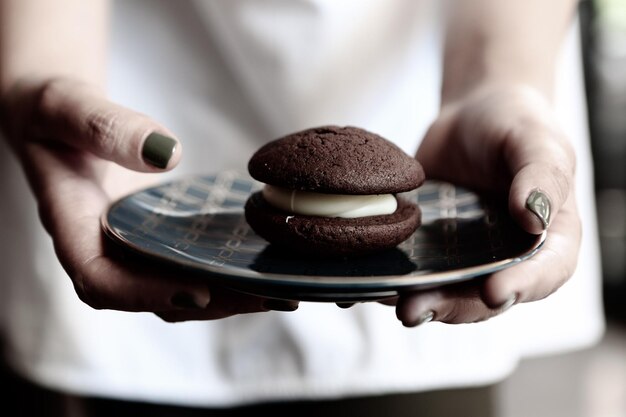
<point x="326" y="236"/>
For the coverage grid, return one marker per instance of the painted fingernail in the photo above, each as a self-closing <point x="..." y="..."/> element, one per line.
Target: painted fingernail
<point x="345" y="305"/>
<point x="539" y="204"/>
<point x="424" y="318"/>
<point x="158" y="149"/>
<point x="190" y="301"/>
<point x="280" y="305"/>
<point x="508" y="303"/>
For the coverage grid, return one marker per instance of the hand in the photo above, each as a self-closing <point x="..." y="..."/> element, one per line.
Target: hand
<point x="69" y="139"/>
<point x="503" y="138"/>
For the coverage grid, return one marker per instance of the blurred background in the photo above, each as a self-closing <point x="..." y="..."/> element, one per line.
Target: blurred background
<point x="592" y="383"/>
<point x="604" y="31"/>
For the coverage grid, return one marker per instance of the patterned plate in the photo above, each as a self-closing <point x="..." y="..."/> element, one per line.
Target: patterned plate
<point x="197" y="224"/>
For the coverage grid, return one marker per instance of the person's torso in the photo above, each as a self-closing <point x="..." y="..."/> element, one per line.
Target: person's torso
<point x="228" y="76"/>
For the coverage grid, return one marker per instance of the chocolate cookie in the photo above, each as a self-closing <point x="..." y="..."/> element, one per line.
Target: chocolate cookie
<point x="331" y="191"/>
<point x="334" y="236"/>
<point x="337" y="160"/>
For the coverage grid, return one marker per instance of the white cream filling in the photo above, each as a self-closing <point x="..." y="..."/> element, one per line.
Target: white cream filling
<point x="329" y="205"/>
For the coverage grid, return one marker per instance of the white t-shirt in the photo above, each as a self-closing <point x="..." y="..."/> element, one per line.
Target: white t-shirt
<point x="226" y="77"/>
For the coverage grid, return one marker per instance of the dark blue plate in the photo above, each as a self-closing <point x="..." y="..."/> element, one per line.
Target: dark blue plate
<point x="197" y="225"/>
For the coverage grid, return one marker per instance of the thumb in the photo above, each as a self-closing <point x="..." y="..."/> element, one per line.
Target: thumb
<point x="79" y="116"/>
<point x="543" y="164"/>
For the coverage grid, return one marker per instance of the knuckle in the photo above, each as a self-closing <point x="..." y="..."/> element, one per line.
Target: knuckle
<point x="86" y="290"/>
<point x="550" y="148"/>
<point x="87" y="279"/>
<point x="562" y="180"/>
<point x="456" y="314"/>
<point x="103" y="130"/>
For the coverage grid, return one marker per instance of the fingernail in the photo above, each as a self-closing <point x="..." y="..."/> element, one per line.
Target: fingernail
<point x="158" y="150"/>
<point x="539" y="204"/>
<point x="190" y="301"/>
<point x="426" y="317"/>
<point x="508" y="303"/>
<point x="345" y="305"/>
<point x="280" y="305"/>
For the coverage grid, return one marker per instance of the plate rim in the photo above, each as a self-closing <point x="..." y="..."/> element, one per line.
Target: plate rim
<point x="318" y="282"/>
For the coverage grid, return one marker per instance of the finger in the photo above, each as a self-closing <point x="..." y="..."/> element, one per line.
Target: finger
<point x="106" y="283"/>
<point x="531" y="280"/>
<point x="228" y="303"/>
<point x="70" y="206"/>
<point x="542" y="274"/>
<point x="81" y="117"/>
<point x="389" y="301"/>
<point x="543" y="164"/>
<point x="454" y="305"/>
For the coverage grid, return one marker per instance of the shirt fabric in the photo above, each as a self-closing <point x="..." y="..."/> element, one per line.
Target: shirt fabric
<point x="227" y="77"/>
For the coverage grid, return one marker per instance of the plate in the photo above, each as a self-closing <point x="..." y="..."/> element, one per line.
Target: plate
<point x="197" y="225"/>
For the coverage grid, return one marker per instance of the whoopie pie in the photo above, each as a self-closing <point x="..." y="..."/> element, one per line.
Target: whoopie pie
<point x="332" y="191"/>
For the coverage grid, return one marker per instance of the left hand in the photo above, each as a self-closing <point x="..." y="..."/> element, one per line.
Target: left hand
<point x="80" y="152"/>
<point x="504" y="139"/>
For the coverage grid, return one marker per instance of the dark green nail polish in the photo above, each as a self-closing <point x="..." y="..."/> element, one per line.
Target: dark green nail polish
<point x="280" y="305"/>
<point x="539" y="204"/>
<point x="158" y="150"/>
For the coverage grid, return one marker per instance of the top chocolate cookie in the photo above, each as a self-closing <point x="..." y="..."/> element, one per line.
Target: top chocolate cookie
<point x="336" y="160"/>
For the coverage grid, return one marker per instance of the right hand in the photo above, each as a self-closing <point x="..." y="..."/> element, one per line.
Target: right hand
<point x="71" y="142"/>
<point x="503" y="139"/>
